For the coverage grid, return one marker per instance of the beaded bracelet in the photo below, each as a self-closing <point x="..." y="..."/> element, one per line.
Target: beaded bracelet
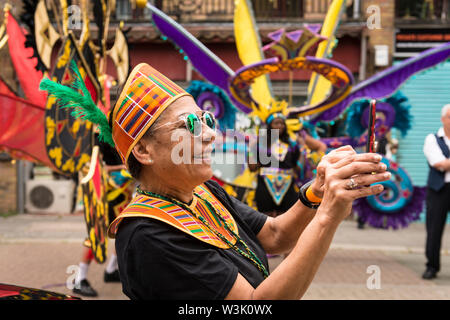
<point x="307" y="197"/>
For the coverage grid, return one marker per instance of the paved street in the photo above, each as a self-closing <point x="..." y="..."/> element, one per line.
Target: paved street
<point x="36" y="251"/>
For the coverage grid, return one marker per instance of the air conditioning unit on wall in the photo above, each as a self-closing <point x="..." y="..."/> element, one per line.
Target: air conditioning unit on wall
<point x="49" y="196"/>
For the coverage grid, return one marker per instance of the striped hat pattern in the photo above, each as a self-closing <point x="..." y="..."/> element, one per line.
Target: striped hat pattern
<point x="146" y="94"/>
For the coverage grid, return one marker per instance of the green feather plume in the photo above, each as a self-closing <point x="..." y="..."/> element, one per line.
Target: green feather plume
<point x="82" y="103"/>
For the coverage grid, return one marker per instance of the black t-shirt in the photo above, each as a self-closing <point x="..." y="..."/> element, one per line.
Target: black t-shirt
<point x="158" y="261"/>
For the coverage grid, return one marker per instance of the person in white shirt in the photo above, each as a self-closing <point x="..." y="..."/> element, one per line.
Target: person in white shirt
<point x="437" y="152"/>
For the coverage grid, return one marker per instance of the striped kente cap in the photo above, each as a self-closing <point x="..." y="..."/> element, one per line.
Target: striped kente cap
<point x="146" y="94"/>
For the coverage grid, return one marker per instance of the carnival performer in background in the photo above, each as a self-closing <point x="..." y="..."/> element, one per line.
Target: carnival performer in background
<point x="276" y="190"/>
<point x="120" y="191"/>
<point x="82" y="286"/>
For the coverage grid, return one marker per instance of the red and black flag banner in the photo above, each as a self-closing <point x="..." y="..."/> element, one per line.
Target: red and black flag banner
<point x="94" y="188"/>
<point x="69" y="140"/>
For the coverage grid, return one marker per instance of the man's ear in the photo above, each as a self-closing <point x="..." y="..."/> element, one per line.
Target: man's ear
<point x="143" y="152"/>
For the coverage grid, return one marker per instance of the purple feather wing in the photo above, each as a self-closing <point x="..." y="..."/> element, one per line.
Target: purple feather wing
<point x="388" y="81"/>
<point x="207" y="63"/>
<point x="211" y="67"/>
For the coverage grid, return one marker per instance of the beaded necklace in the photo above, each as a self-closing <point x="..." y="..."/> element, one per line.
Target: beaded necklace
<point x="249" y="254"/>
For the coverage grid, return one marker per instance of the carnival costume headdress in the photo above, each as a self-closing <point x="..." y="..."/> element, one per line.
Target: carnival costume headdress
<point x="145" y="95"/>
<point x="279" y="109"/>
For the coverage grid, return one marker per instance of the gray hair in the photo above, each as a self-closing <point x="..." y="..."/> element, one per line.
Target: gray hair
<point x="445" y="109"/>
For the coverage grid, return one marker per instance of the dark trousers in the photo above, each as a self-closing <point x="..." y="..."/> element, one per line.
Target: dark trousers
<point x="438" y="205"/>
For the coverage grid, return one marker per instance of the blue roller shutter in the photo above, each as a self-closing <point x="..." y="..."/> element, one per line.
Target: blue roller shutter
<point x="427" y="93"/>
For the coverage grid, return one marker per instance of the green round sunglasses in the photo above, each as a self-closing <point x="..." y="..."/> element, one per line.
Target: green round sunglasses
<point x="193" y="122"/>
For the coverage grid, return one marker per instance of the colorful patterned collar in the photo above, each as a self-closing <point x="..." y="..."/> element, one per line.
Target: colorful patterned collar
<point x="176" y="216"/>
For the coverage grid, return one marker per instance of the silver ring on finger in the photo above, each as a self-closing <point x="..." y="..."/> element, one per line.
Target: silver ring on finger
<point x="351" y="184"/>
